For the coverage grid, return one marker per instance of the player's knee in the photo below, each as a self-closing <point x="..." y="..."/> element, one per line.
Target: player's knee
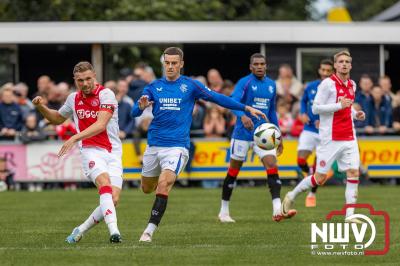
<point x="147" y="189"/>
<point x="353" y="173"/>
<point x="103" y="180"/>
<point x="115" y="200"/>
<point x="320" y="178"/>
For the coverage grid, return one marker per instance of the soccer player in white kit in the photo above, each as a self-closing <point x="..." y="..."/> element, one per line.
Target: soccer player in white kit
<point x="95" y="112"/>
<point x="333" y="103"/>
<point x="309" y="138"/>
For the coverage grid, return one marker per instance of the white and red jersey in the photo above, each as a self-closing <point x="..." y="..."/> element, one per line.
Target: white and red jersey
<point x="335" y="123"/>
<point x="84" y="109"/>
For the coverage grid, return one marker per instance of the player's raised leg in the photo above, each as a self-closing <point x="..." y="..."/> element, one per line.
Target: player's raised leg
<point x="164" y="186"/>
<point x="107" y="206"/>
<point x="302" y="156"/>
<point x="94" y="218"/>
<point x="227" y="188"/>
<point x="275" y="184"/>
<point x="350" y="162"/>
<point x="351" y="193"/>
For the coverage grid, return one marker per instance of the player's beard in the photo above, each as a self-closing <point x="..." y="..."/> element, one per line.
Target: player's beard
<point x="87" y="89"/>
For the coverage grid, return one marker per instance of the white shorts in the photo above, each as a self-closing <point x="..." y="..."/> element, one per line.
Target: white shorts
<point x="156" y="159"/>
<point x="96" y="161"/>
<point x="239" y="149"/>
<point x="346" y="153"/>
<point x="308" y="141"/>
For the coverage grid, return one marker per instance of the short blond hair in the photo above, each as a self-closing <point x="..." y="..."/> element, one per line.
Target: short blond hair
<point x="82" y="67"/>
<point x="344" y="52"/>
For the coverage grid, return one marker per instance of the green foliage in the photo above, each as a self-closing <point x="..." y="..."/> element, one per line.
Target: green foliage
<point x="140" y="10"/>
<point x="365" y="10"/>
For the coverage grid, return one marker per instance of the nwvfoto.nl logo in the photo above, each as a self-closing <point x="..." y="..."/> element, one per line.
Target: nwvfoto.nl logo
<point x="335" y="238"/>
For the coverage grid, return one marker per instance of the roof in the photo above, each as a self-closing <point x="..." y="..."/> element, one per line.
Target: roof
<point x="390" y="14"/>
<point x="200" y="32"/>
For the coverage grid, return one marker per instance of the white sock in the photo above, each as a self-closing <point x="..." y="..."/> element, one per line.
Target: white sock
<point x="150" y="229"/>
<point x="92" y="220"/>
<point x="311" y="194"/>
<point x="108" y="211"/>
<point x="276" y="205"/>
<point x="304" y="185"/>
<point x="224" y="207"/>
<point x="351" y="194"/>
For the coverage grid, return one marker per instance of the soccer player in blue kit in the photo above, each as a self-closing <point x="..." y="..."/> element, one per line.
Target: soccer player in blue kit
<point x="173" y="98"/>
<point x="258" y="91"/>
<point x="309" y="138"/>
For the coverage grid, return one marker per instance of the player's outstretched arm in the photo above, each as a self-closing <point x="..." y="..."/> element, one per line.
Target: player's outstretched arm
<point x="142" y="104"/>
<point x="229" y="103"/>
<point x="52" y="115"/>
<point x="99" y="126"/>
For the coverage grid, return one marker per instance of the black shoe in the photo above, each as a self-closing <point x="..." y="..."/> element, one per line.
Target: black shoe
<point x="115" y="238"/>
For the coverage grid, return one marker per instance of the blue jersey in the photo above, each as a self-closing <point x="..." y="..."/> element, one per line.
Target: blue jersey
<point x="257" y="93"/>
<point x="306" y="105"/>
<point x="173" y="107"/>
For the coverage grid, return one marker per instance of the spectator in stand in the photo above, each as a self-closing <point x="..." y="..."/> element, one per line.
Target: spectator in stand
<point x="44" y="84"/>
<point x="227" y="87"/>
<point x="298" y="125"/>
<point x="386" y="84"/>
<point x="287" y="85"/>
<point x="396" y="113"/>
<point x="64" y="90"/>
<point x="148" y="74"/>
<point x="215" y="81"/>
<point x="230" y="118"/>
<point x="214" y="123"/>
<point x="201" y="79"/>
<point x="111" y="84"/>
<point x="358" y="123"/>
<point x="284" y="117"/>
<point x="125" y="121"/>
<point x="6" y="175"/>
<point x="48" y="128"/>
<point x="11" y="115"/>
<point x="53" y="97"/>
<point x="364" y="98"/>
<point x="31" y="132"/>
<point x="66" y="130"/>
<point x="198" y="116"/>
<point x="138" y="83"/>
<point x="21" y="93"/>
<point x="380" y="112"/>
<point x="127" y="74"/>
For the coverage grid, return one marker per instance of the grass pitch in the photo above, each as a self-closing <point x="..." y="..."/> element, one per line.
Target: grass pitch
<point x="33" y="227"/>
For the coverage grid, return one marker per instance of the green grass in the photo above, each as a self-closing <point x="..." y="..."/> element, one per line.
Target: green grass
<point x="33" y="227"/>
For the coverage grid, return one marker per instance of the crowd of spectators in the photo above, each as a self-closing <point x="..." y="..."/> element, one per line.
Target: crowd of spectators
<point x="19" y="120"/>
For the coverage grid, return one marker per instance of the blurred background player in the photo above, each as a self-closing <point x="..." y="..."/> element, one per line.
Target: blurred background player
<point x="333" y="103"/>
<point x="309" y="138"/>
<point x="258" y="91"/>
<point x="95" y="112"/>
<point x="173" y="98"/>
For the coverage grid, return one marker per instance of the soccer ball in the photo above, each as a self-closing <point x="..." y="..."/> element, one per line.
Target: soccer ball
<point x="267" y="136"/>
<point x="3" y="186"/>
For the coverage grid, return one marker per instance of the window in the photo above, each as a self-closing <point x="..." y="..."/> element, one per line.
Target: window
<point x="8" y="64"/>
<point x="308" y="60"/>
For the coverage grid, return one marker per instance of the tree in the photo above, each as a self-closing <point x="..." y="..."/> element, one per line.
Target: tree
<point x="132" y="10"/>
<point x="364" y="10"/>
